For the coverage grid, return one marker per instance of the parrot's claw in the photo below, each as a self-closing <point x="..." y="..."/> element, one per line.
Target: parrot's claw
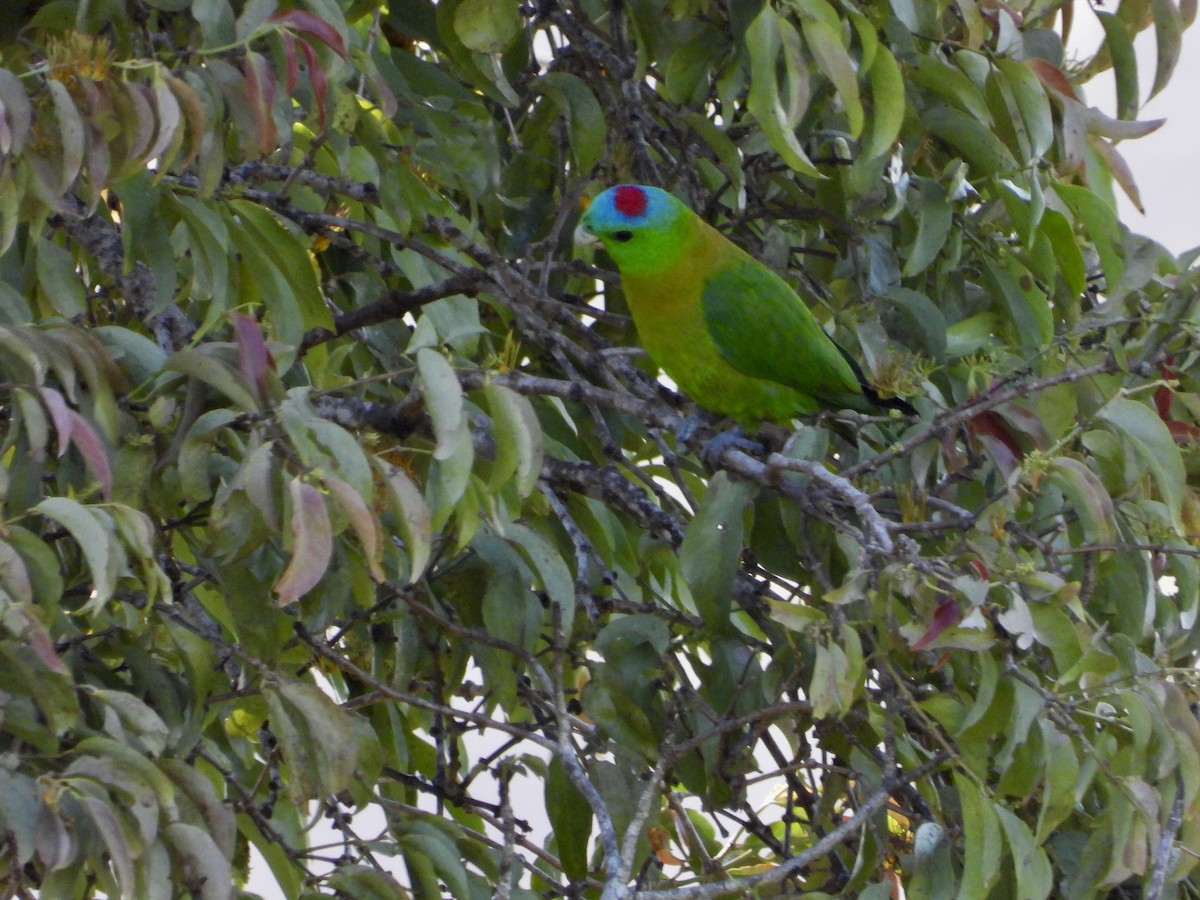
<point x="733" y="439"/>
<point x="687" y="430"/>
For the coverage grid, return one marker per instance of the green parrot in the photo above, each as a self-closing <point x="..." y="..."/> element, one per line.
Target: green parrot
<point x="728" y="330"/>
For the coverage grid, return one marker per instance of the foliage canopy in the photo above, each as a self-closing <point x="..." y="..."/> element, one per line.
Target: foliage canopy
<point x="332" y="489"/>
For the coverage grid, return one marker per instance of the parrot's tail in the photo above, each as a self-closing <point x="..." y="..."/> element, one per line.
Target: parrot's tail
<point x="888" y="402"/>
<point x="870" y="393"/>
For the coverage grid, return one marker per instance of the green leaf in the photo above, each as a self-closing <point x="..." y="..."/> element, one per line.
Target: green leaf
<point x="1146" y="434"/>
<point x="931" y="323"/>
<point x="59" y="281"/>
<point x="948" y="82"/>
<point x="1032" y="103"/>
<point x="1057" y="229"/>
<point x="1168" y="35"/>
<point x="287" y="251"/>
<point x="105" y="821"/>
<point x="412" y="518"/>
<point x="552" y="572"/>
<point x="133" y="721"/>
<point x="361" y="882"/>
<point x="570" y="820"/>
<point x="1100" y="221"/>
<point x="584" y="115"/>
<point x="1086" y="496"/>
<point x="1035" y="876"/>
<point x="777" y="107"/>
<point x="887" y="105"/>
<point x="203" y="864"/>
<point x="935" y="218"/>
<point x="124" y="767"/>
<point x="1059" y="776"/>
<point x="1119" y="43"/>
<point x="19" y="812"/>
<point x="1025" y="303"/>
<point x="795" y="616"/>
<point x="487" y="26"/>
<point x="214" y="372"/>
<point x="325" y="445"/>
<point x="822" y="28"/>
<point x="218" y="819"/>
<point x="511" y="610"/>
<point x="974" y="140"/>
<point x="712" y="548"/>
<point x="518" y="440"/>
<point x="70" y="133"/>
<point x="725" y="150"/>
<point x="983" y="846"/>
<point x="443" y="400"/>
<point x="830" y="690"/>
<point x="316" y="736"/>
<point x="208" y="240"/>
<point x="93" y="532"/>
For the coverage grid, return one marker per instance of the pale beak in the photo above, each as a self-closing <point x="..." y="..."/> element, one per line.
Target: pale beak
<point x="584" y="238"/>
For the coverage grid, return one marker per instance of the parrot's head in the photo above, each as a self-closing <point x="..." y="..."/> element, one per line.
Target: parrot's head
<point x="644" y="229"/>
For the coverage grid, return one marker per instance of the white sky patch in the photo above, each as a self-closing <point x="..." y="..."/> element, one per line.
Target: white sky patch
<point x="1163" y="163"/>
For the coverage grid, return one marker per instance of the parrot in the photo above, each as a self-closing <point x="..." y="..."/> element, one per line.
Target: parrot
<point x="729" y="331"/>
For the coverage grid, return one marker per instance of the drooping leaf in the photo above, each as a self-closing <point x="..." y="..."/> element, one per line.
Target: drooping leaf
<point x="312" y="543"/>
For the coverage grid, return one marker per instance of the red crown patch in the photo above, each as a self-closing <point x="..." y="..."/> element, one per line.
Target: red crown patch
<point x="630" y="201"/>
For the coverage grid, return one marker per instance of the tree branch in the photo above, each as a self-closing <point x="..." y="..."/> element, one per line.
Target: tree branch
<point x="789" y="867"/>
<point x="100" y="238"/>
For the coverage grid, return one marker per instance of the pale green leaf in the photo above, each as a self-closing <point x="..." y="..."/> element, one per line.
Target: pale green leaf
<point x="93" y="532"/>
<point x="487" y="26"/>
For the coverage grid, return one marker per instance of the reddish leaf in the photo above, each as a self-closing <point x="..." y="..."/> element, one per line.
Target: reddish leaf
<point x="290" y="59"/>
<point x="1163" y="398"/>
<point x="1120" y="170"/>
<point x="312" y="543"/>
<point x="92" y="449"/>
<point x="192" y="108"/>
<point x="943" y="617"/>
<point x="993" y="433"/>
<point x="260" y="91"/>
<point x="140" y="132"/>
<point x="254" y="359"/>
<point x="1052" y="77"/>
<point x="1183" y="432"/>
<point x="299" y="20"/>
<point x="14" y="575"/>
<point x="60" y="414"/>
<point x="980" y="569"/>
<point x="362" y="520"/>
<point x="1022" y="422"/>
<point x="320" y="84"/>
<point x="660" y="842"/>
<point x="40" y="642"/>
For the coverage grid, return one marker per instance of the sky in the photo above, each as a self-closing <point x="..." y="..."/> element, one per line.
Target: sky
<point x="1165" y="164"/>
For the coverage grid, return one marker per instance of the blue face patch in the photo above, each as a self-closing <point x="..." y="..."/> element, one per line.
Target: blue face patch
<point x="619" y="207"/>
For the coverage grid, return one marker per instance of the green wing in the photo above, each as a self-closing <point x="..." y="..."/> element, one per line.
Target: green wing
<point x="766" y="331"/>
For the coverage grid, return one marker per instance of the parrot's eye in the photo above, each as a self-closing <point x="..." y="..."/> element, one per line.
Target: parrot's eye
<point x="622" y="236"/>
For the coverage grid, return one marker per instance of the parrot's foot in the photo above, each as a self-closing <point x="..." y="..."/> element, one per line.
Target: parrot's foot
<point x="690" y="426"/>
<point x="733" y="439"/>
